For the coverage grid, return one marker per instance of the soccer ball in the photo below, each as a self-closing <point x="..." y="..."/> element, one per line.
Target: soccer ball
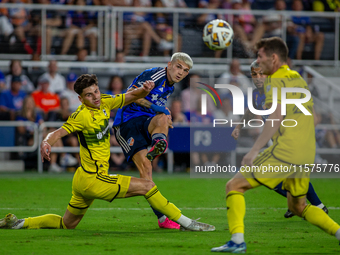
<point x="218" y="34"/>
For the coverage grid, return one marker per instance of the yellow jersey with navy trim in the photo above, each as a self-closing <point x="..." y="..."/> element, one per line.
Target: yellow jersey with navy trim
<point x="93" y="130"/>
<point x="294" y="144"/>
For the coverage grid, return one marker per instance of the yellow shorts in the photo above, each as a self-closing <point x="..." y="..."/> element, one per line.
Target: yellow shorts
<point x="87" y="187"/>
<point x="269" y="171"/>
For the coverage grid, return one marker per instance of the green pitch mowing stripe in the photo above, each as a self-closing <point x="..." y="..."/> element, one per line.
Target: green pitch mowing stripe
<point x="127" y="226"/>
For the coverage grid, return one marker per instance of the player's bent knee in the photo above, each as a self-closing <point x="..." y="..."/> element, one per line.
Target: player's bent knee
<point x="70" y="225"/>
<point x="297" y="209"/>
<point x="230" y="186"/>
<point x="162" y="120"/>
<point x="238" y="183"/>
<point x="149" y="185"/>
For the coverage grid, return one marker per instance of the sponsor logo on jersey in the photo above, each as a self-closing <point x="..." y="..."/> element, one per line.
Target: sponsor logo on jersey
<point x="100" y="135"/>
<point x="131" y="141"/>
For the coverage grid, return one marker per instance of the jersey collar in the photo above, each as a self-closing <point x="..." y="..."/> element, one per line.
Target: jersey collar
<point x="284" y="67"/>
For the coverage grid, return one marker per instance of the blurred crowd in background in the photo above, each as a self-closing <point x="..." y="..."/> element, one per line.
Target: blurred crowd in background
<point x="150" y="34"/>
<point x="47" y="95"/>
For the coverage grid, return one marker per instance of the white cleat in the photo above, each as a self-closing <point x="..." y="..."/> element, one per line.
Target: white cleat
<point x="11" y="221"/>
<point x="198" y="226"/>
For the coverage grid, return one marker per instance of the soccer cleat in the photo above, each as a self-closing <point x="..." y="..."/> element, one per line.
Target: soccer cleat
<point x="289" y="214"/>
<point x="198" y="226"/>
<point x="11" y="221"/>
<point x="158" y="149"/>
<point x="168" y="224"/>
<point x="231" y="247"/>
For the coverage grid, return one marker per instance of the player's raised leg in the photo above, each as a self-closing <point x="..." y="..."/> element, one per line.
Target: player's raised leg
<point x="236" y="210"/>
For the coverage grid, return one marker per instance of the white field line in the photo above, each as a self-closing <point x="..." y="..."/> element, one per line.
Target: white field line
<point x="148" y="208"/>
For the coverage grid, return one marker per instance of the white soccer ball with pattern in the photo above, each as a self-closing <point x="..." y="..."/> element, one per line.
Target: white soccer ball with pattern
<point x="218" y="34"/>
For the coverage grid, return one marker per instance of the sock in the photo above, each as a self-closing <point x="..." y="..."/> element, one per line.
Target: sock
<point x="312" y="196"/>
<point x="184" y="221"/>
<point x="278" y="189"/>
<point x="156" y="137"/>
<point x="161" y="204"/>
<point x="44" y="221"/>
<point x="320" y="205"/>
<point x="162" y="219"/>
<point x="337" y="234"/>
<point x="319" y="218"/>
<point x="236" y="209"/>
<point x="157" y="213"/>
<point x="237" y="238"/>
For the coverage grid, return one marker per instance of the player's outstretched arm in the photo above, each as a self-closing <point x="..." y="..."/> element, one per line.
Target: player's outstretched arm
<point x="146" y="103"/>
<point x="49" y="141"/>
<point x="156" y="108"/>
<point x="247" y="116"/>
<point x="132" y="95"/>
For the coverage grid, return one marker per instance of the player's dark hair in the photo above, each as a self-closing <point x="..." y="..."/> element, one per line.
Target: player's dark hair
<point x="274" y="45"/>
<point x="84" y="81"/>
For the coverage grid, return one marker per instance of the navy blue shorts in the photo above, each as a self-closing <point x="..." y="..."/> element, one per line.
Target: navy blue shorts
<point x="133" y="135"/>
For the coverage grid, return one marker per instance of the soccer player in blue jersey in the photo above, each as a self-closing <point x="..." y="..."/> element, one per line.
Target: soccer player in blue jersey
<point x="259" y="99"/>
<point x="146" y="122"/>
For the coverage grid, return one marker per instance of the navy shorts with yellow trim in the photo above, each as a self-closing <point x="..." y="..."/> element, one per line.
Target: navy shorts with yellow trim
<point x="133" y="135"/>
<point x="87" y="187"/>
<point x="296" y="182"/>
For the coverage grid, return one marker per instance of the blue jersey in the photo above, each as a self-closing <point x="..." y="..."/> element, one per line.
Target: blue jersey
<point x="259" y="102"/>
<point x="158" y="95"/>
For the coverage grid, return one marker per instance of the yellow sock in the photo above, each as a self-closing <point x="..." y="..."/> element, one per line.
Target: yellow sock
<point x="319" y="218"/>
<point x="44" y="221"/>
<point x="161" y="204"/>
<point x="236" y="209"/>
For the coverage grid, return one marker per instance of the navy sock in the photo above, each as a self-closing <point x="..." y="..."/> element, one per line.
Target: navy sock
<point x="278" y="189"/>
<point x="156" y="137"/>
<point x="312" y="196"/>
<point x="157" y="213"/>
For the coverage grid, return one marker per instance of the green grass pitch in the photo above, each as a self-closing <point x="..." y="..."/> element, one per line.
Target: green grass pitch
<point x="128" y="226"/>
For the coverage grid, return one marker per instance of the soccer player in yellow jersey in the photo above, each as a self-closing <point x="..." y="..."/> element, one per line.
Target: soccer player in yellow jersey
<point x="91" y="180"/>
<point x="292" y="146"/>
